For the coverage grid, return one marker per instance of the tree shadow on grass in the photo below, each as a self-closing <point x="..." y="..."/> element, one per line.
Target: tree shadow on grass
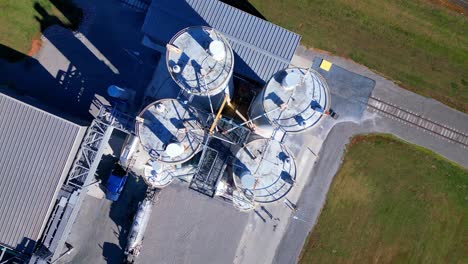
<point x="71" y="20"/>
<point x="66" y="15"/>
<point x="245" y="6"/>
<point x="10" y="54"/>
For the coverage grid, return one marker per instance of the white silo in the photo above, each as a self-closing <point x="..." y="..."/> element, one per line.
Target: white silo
<point x="201" y="61"/>
<point x="241" y="202"/>
<point x="159" y="175"/>
<point x="264" y="170"/>
<point x="293" y="100"/>
<point x="170" y="131"/>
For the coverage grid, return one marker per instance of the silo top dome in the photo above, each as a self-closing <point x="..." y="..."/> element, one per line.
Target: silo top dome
<point x="303" y="93"/>
<point x="264" y="169"/>
<point x="200" y="60"/>
<point x="170" y="131"/>
<point x="291" y="80"/>
<point x="217" y="50"/>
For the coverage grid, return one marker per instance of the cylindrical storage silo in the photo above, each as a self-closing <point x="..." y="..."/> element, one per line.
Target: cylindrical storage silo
<point x="159" y="175"/>
<point x="265" y="170"/>
<point x="293" y="100"/>
<point x="171" y="131"/>
<point x="241" y="202"/>
<point x="200" y="60"/>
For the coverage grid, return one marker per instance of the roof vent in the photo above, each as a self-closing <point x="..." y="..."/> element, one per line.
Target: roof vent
<point x="217" y="50"/>
<point x="176" y="69"/>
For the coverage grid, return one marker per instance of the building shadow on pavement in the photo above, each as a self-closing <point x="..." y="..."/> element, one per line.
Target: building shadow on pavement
<point x="74" y="69"/>
<point x="72" y="14"/>
<point x="65" y="91"/>
<point x="123" y="210"/>
<point x="28" y="77"/>
<point x="111" y="253"/>
<point x="71" y="18"/>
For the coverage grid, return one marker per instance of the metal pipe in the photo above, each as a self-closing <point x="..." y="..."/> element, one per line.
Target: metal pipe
<point x="218" y="115"/>
<point x="69" y="250"/>
<point x="257" y="117"/>
<point x="237" y="112"/>
<point x="225" y="140"/>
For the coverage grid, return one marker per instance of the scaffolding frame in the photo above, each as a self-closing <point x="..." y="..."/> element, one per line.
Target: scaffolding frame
<point x="90" y="152"/>
<point x="91" y="148"/>
<point x="204" y="180"/>
<point x="8" y="255"/>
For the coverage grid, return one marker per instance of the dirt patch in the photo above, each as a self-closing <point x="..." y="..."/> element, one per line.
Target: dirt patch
<point x="452" y="5"/>
<point x="357" y="139"/>
<point x="36" y="45"/>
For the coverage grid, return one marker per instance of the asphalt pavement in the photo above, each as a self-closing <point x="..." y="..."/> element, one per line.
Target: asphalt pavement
<point x="99" y="233"/>
<point x="189" y="227"/>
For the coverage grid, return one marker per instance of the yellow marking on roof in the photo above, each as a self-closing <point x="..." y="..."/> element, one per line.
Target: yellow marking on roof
<point x="325" y="65"/>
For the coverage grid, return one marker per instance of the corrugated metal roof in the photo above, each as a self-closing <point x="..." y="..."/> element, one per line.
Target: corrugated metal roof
<point x="36" y="150"/>
<point x="261" y="48"/>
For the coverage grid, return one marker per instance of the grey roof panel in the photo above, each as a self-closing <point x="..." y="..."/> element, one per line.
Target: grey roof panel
<point x="36" y="149"/>
<point x="261" y="48"/>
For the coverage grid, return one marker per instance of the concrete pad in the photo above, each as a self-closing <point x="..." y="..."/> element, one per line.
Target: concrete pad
<point x="96" y="191"/>
<point x="300" y="61"/>
<point x="349" y="91"/>
<point x="188" y="227"/>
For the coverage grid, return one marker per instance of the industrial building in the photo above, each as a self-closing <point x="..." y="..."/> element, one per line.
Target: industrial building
<point x="47" y="161"/>
<point x="37" y="150"/>
<point x="260" y="48"/>
<point x="222" y="98"/>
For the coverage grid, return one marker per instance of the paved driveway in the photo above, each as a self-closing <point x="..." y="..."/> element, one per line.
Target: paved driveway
<point x="315" y="190"/>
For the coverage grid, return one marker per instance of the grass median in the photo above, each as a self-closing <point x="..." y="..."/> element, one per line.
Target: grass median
<point x="421" y="44"/>
<point x="392" y="202"/>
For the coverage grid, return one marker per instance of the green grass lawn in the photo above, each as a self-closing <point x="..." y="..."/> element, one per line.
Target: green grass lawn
<point x="22" y="20"/>
<point x="392" y="202"/>
<point x="422" y="45"/>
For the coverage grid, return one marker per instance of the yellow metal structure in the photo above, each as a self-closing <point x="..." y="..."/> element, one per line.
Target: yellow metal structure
<point x="218" y="115"/>
<point x="173" y="48"/>
<point x="236" y="111"/>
